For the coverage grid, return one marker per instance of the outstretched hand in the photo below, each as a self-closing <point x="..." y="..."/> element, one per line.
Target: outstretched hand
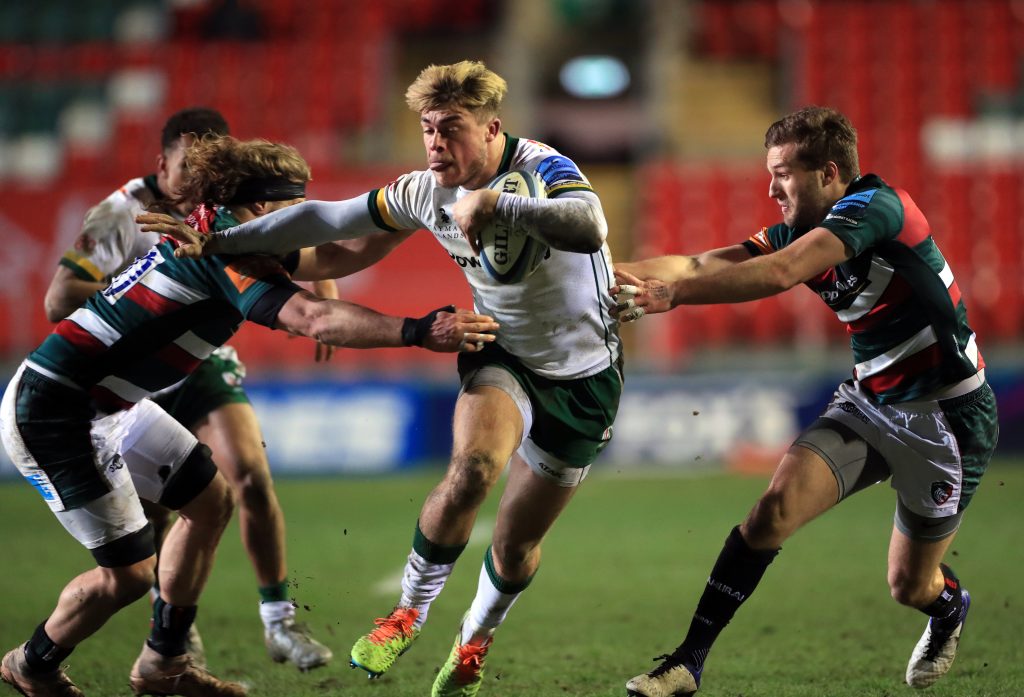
<point x="462" y="330"/>
<point x="193" y="243"/>
<point x="635" y="298"/>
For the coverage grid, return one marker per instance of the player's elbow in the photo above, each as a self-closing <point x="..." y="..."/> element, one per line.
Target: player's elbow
<point x="52" y="314"/>
<point x="304" y="314"/>
<point x="595" y="236"/>
<point x="588" y="238"/>
<point x="782" y="277"/>
<point x="54" y="308"/>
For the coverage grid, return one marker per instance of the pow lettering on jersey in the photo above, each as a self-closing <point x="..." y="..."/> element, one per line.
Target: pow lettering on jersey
<point x="560" y="174"/>
<point x="851" y="208"/>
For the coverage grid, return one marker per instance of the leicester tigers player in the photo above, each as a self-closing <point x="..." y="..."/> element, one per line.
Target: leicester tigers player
<point x="76" y="422"/>
<point x="542" y="398"/>
<point x="918" y="408"/>
<point x="212" y="402"/>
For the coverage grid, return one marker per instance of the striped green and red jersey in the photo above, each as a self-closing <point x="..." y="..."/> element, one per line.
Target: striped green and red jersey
<point x="897" y="295"/>
<point x="159" y="318"/>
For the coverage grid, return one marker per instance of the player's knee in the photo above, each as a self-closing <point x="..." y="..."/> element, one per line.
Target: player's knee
<point x="255" y="490"/>
<point x="159" y="516"/>
<point x="514" y="557"/>
<point x="908" y="589"/>
<point x="470" y="478"/>
<point x="769" y="522"/>
<point x="214" y="507"/>
<point x="129" y="583"/>
<point x="222" y="505"/>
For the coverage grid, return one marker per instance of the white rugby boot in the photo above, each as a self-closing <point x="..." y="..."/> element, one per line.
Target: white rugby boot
<point x="936" y="650"/>
<point x="288" y="640"/>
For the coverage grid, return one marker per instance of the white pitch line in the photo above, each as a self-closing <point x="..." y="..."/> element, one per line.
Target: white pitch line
<point x="480" y="535"/>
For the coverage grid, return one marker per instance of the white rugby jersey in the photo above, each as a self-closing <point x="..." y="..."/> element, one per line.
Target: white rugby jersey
<point x="110" y="237"/>
<point x="558" y="320"/>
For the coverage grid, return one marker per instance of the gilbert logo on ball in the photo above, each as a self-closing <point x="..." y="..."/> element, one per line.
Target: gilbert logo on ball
<point x="508" y="254"/>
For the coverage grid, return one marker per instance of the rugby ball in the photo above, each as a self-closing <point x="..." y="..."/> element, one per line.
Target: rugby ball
<point x="507" y="254"/>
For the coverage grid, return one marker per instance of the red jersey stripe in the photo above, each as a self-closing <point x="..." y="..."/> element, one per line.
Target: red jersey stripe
<point x="895" y="295"/>
<point x="80" y="338"/>
<point x="178" y="358"/>
<point x="150" y="300"/>
<point x="954" y="293"/>
<point x="915" y="226"/>
<point x="905" y="371"/>
<point x="107" y="400"/>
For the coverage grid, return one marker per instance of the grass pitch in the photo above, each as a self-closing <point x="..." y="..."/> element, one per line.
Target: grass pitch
<point x="622" y="572"/>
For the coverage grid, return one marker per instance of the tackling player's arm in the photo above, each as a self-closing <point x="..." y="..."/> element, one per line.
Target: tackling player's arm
<point x="345" y="324"/>
<point x="675" y="267"/>
<point x="66" y="293"/>
<point x="757" y="277"/>
<point x="762" y="276"/>
<point x="340" y="259"/>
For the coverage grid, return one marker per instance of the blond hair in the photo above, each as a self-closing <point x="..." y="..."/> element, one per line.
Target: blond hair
<point x="468" y="85"/>
<point x="217" y="165"/>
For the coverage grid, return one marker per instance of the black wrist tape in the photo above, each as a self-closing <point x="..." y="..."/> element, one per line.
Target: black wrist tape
<point x="414" y="331"/>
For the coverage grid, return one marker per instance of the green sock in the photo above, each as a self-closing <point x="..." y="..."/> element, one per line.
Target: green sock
<point x="274" y="593"/>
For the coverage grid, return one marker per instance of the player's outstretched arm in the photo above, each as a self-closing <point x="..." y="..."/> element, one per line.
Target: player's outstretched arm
<point x="348" y="325"/>
<point x="306" y="224"/>
<point x="646" y="286"/>
<point x="344" y="258"/>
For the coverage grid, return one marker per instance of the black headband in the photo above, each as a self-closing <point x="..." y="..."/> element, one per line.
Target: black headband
<point x="268" y="189"/>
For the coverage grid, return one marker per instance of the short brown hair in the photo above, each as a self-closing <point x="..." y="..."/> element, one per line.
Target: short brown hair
<point x="468" y="85"/>
<point x="195" y="121"/>
<point x="217" y="165"/>
<point x="821" y="135"/>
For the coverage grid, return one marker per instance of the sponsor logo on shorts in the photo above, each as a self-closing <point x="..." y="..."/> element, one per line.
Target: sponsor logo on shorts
<point x="552" y="472"/>
<point x="42" y="485"/>
<point x="941" y="491"/>
<point x="853" y="410"/>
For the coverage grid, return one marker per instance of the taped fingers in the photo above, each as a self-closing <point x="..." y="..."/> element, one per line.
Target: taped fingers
<point x="626" y="292"/>
<point x="632" y="315"/>
<point x="470" y="342"/>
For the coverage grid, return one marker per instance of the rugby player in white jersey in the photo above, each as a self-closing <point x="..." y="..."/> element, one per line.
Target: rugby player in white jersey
<point x="540" y="400"/>
<point x="211" y="402"/>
